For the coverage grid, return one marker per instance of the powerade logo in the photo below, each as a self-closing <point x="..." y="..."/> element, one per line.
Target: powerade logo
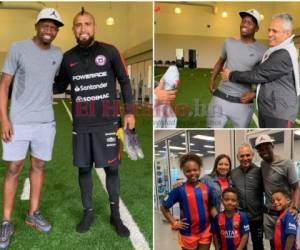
<point x="89" y="76"/>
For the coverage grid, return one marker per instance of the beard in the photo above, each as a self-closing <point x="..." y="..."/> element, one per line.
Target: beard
<point x="85" y="43"/>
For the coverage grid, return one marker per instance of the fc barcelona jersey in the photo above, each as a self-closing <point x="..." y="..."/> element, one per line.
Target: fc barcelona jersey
<point x="195" y="203"/>
<point x="285" y="225"/>
<point x="230" y="230"/>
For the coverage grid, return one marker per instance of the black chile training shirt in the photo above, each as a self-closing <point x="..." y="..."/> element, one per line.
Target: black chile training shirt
<point x="92" y="73"/>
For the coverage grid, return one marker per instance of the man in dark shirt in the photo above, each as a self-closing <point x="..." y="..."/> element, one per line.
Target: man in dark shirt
<point x="92" y="68"/>
<point x="247" y="179"/>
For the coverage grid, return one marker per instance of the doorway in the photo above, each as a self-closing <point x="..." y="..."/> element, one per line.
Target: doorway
<point x="192" y="58"/>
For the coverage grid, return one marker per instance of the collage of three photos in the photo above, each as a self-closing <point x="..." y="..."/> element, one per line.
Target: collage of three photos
<point x="150" y="125"/>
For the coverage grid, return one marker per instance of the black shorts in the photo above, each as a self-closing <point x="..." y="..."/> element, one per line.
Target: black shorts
<point x="101" y="147"/>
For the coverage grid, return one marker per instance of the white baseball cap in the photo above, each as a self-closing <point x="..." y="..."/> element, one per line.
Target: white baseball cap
<point x="51" y="14"/>
<point x="253" y="12"/>
<point x="263" y="139"/>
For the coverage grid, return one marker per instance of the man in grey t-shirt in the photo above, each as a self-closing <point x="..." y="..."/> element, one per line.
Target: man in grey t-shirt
<point x="232" y="101"/>
<point x="276" y="173"/>
<point x="31" y="66"/>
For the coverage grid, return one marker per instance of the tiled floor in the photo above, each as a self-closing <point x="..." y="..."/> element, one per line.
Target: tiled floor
<point x="166" y="239"/>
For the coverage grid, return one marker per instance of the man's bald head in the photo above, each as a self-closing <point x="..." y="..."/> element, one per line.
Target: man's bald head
<point x="245" y="155"/>
<point x="245" y="145"/>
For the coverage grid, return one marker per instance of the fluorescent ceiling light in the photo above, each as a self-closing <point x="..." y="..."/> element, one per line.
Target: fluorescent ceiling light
<point x="272" y="139"/>
<point x="204" y="137"/>
<point x="191" y="144"/>
<point x="297" y="132"/>
<point x="211" y="152"/>
<point x="209" y="146"/>
<point x="200" y="155"/>
<point x="176" y="148"/>
<point x="196" y="150"/>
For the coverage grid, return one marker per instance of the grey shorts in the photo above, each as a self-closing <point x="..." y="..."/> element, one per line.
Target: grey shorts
<point x="269" y="226"/>
<point x="220" y="111"/>
<point x="39" y="138"/>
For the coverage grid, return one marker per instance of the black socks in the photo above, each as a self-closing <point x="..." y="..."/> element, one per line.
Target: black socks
<point x="86" y="186"/>
<point x="113" y="189"/>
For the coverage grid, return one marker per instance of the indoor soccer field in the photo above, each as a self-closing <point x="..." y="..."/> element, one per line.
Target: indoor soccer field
<point x="193" y="97"/>
<point x="61" y="203"/>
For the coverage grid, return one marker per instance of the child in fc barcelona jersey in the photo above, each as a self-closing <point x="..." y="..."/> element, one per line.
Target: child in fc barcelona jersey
<point x="196" y="205"/>
<point x="285" y="226"/>
<point x="230" y="228"/>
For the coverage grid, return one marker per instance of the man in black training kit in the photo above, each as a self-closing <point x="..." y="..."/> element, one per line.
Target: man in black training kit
<point x="92" y="68"/>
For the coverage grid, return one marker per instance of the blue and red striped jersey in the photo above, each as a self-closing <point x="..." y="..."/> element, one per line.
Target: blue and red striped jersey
<point x="230" y="230"/>
<point x="285" y="225"/>
<point x="195" y="203"/>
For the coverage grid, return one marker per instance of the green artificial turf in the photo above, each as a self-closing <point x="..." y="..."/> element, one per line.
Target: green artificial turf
<point x="61" y="203"/>
<point x="193" y="97"/>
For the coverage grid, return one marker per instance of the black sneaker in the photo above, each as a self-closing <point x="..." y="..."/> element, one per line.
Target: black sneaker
<point x="121" y="229"/>
<point x="6" y="231"/>
<point x="86" y="221"/>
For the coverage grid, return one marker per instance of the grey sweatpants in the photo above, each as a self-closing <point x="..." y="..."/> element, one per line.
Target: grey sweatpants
<point x="220" y="111"/>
